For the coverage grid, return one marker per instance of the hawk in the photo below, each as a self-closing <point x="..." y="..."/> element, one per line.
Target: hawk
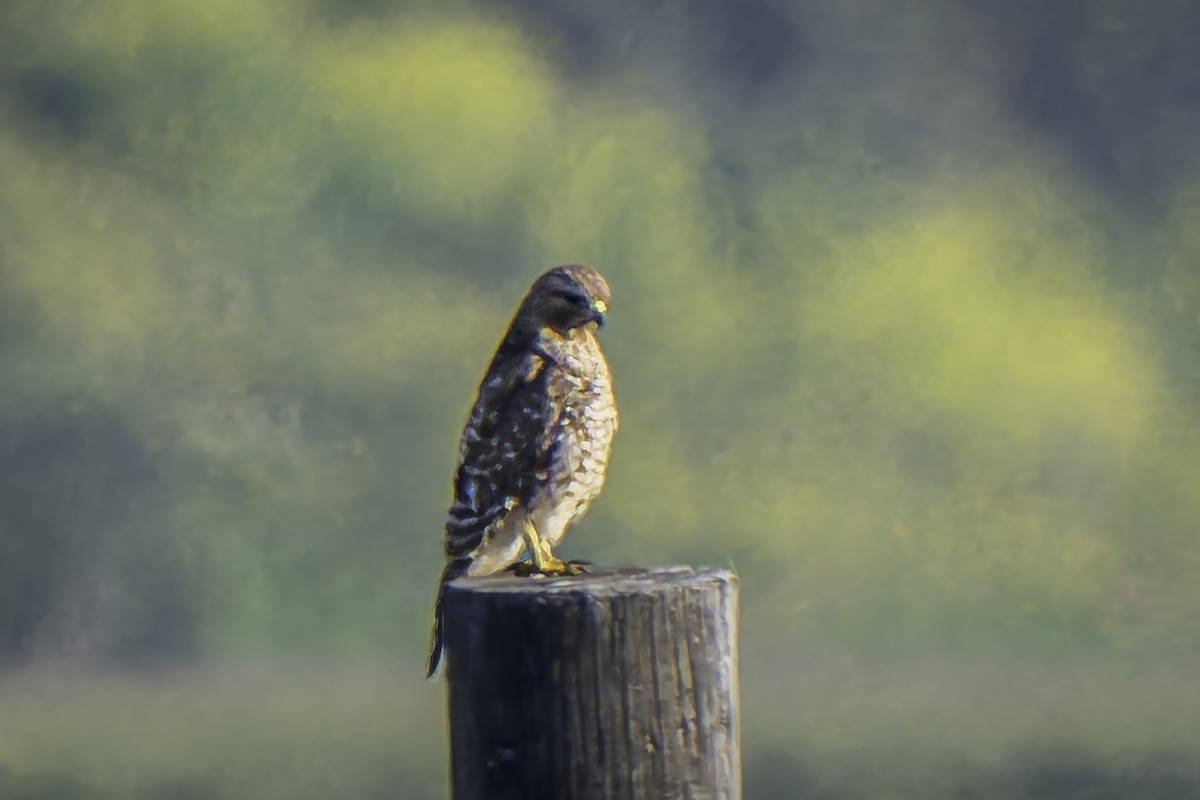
<point x="536" y="445"/>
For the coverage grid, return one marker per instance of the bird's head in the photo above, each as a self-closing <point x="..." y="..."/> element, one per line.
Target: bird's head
<point x="565" y="298"/>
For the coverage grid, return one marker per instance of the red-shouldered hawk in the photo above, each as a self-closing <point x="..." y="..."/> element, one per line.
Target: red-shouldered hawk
<point x="535" y="448"/>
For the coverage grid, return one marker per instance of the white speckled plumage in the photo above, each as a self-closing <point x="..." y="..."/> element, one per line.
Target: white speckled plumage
<point x="582" y="386"/>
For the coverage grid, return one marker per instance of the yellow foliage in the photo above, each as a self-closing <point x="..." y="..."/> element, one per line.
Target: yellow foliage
<point x="450" y="111"/>
<point x="998" y="326"/>
<point x="123" y="28"/>
<point x="84" y="255"/>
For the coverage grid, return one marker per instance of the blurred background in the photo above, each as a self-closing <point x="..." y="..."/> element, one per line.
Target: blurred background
<point x="905" y="328"/>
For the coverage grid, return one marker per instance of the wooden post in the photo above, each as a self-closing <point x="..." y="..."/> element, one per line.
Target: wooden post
<point x="615" y="684"/>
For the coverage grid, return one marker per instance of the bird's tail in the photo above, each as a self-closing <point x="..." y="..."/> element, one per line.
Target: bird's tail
<point x="454" y="569"/>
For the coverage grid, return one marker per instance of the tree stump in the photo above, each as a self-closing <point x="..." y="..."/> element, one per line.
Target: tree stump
<point x="615" y="684"/>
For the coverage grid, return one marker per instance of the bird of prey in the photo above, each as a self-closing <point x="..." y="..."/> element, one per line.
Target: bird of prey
<point x="536" y="445"/>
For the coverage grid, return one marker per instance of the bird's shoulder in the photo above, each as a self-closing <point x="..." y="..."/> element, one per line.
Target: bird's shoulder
<point x="510" y="425"/>
<point x="517" y="376"/>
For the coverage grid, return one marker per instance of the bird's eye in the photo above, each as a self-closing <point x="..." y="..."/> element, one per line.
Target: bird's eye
<point x="575" y="298"/>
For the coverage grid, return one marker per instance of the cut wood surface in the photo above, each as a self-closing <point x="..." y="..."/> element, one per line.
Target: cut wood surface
<point x="616" y="684"/>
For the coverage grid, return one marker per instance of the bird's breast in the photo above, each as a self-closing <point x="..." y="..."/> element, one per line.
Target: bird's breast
<point x="582" y="386"/>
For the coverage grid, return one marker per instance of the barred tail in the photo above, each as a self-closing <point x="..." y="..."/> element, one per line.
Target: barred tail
<point x="455" y="569"/>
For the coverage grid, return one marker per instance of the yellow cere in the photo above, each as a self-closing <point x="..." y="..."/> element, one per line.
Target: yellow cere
<point x="600" y="306"/>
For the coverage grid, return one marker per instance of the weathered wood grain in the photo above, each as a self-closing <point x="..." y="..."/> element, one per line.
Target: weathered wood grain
<point x="616" y="684"/>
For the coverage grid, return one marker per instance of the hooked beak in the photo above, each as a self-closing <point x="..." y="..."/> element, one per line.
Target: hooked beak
<point x="599" y="309"/>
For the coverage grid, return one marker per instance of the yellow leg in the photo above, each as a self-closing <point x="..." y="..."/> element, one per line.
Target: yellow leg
<point x="544" y="561"/>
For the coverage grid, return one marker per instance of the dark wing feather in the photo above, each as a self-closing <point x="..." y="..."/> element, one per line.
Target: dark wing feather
<point x="504" y="452"/>
<point x="504" y="449"/>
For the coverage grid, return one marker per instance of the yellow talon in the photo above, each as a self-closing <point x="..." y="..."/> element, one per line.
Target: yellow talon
<point x="553" y="566"/>
<point x="544" y="562"/>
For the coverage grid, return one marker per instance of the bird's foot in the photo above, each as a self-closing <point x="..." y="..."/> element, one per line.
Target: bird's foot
<point x="572" y="567"/>
<point x="551" y="567"/>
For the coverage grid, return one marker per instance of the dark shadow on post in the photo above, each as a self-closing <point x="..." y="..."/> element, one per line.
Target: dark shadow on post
<point x="616" y="684"/>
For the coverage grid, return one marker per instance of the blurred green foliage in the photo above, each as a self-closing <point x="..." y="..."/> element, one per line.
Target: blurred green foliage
<point x="906" y="314"/>
<point x="893" y="331"/>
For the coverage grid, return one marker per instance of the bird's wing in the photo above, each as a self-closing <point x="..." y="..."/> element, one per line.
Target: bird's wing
<point x="505" y="448"/>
